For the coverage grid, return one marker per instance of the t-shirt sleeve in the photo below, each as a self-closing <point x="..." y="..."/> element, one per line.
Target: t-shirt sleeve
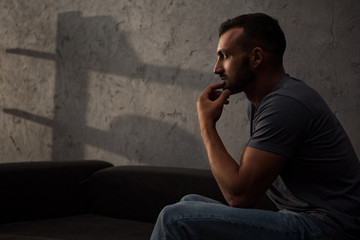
<point x="279" y="125"/>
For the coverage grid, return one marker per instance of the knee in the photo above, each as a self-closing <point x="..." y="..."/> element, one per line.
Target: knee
<point x="171" y="213"/>
<point x="163" y="227"/>
<point x="166" y="226"/>
<point x="198" y="198"/>
<point x="192" y="197"/>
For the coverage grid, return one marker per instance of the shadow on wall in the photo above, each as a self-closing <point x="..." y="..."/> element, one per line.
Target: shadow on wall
<point x="95" y="44"/>
<point x="137" y="138"/>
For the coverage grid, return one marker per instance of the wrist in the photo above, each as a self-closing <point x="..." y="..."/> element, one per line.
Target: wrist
<point x="210" y="135"/>
<point x="208" y="131"/>
<point x="207" y="125"/>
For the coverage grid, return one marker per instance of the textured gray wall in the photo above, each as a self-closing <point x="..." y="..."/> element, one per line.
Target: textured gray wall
<point x="118" y="80"/>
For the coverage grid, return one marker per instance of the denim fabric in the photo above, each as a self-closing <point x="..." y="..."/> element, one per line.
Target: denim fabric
<point x="196" y="217"/>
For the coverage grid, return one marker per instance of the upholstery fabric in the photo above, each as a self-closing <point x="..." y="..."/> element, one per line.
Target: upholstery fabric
<point x="36" y="190"/>
<point x="147" y="188"/>
<point x="86" y="227"/>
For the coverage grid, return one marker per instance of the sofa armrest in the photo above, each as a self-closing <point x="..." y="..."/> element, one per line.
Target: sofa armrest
<point x="140" y="192"/>
<point x="36" y="190"/>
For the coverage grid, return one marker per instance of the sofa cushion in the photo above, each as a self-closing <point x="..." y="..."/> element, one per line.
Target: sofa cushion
<point x="35" y="190"/>
<point x="140" y="192"/>
<point x="87" y="227"/>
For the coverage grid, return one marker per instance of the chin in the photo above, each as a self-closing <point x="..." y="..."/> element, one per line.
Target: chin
<point x="233" y="90"/>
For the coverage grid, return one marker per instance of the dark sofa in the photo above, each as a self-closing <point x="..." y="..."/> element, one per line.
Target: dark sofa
<point x="92" y="199"/>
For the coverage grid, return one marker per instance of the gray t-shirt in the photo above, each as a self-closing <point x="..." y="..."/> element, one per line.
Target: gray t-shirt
<point x="321" y="178"/>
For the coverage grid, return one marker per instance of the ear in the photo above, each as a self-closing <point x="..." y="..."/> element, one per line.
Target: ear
<point x="256" y="57"/>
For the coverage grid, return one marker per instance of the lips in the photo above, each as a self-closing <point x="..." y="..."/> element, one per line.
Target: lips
<point x="224" y="82"/>
<point x="224" y="85"/>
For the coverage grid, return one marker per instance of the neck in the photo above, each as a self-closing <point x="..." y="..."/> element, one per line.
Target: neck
<point x="263" y="84"/>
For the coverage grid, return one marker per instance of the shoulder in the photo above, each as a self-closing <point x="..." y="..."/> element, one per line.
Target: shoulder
<point x="294" y="93"/>
<point x="289" y="95"/>
<point x="281" y="121"/>
<point x="278" y="107"/>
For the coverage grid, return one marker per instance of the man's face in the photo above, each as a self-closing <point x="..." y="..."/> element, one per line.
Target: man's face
<point x="233" y="65"/>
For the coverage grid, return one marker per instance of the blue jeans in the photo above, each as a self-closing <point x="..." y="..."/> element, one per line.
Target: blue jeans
<point x="196" y="217"/>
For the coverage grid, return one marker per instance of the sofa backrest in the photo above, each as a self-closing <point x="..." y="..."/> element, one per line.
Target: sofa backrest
<point x="37" y="190"/>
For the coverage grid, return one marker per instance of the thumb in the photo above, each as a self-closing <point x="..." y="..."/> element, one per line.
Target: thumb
<point x="224" y="96"/>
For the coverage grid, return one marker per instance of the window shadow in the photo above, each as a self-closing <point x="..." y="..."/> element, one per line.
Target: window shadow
<point x="86" y="44"/>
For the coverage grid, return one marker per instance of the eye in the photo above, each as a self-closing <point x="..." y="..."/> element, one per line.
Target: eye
<point x="222" y="55"/>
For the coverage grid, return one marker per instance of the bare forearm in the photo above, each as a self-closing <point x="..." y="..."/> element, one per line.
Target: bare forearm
<point x="241" y="184"/>
<point x="224" y="168"/>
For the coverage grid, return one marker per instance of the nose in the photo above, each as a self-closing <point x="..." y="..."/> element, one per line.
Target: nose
<point x="218" y="68"/>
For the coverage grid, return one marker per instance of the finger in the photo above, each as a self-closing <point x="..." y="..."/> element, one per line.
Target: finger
<point x="213" y="87"/>
<point x="224" y="96"/>
<point x="210" y="92"/>
<point x="214" y="95"/>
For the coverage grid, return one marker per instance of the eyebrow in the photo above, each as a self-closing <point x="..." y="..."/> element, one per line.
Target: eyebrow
<point x="222" y="51"/>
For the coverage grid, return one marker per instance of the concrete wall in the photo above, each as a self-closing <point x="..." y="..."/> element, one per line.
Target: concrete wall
<point x="118" y="80"/>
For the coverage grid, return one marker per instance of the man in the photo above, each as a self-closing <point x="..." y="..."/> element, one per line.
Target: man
<point x="298" y="152"/>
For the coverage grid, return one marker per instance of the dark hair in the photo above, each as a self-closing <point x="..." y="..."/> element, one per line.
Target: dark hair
<point x="260" y="30"/>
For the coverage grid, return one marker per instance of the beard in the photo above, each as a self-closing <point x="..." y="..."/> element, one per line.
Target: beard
<point x="244" y="75"/>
